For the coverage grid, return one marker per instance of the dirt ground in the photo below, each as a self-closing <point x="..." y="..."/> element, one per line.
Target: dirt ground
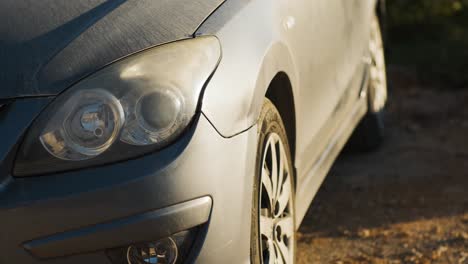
<point x="408" y="202"/>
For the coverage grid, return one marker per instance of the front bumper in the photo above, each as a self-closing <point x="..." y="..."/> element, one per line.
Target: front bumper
<point x="73" y="217"/>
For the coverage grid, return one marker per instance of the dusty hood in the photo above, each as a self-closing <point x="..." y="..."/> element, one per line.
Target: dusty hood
<point x="47" y="45"/>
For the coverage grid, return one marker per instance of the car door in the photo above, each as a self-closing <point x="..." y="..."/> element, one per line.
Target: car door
<point x="357" y="15"/>
<point x="314" y="30"/>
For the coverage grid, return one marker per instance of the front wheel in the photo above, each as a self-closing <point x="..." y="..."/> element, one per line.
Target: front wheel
<point x="273" y="236"/>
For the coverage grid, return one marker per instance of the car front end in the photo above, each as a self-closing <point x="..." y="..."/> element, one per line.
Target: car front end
<point x="105" y="153"/>
<point x="97" y="214"/>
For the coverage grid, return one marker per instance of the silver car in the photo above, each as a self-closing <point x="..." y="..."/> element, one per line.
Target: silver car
<point x="178" y="131"/>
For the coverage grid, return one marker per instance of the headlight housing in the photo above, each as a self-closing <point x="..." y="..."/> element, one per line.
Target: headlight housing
<point x="136" y="105"/>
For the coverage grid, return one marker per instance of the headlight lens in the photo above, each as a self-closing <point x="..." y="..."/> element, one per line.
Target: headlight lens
<point x="86" y="127"/>
<point x="154" y="117"/>
<point x="135" y="105"/>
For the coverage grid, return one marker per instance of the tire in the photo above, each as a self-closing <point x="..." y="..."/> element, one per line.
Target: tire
<point x="369" y="134"/>
<point x="273" y="209"/>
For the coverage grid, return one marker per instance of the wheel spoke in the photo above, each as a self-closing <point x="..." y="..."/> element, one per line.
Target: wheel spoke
<point x="281" y="172"/>
<point x="284" y="251"/>
<point x="284" y="197"/>
<point x="267" y="184"/>
<point x="274" y="168"/>
<point x="287" y="226"/>
<point x="266" y="226"/>
<point x="272" y="252"/>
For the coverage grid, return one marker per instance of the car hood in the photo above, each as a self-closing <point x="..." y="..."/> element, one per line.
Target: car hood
<point x="46" y="46"/>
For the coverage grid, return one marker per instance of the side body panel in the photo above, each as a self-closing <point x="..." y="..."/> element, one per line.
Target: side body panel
<point x="254" y="50"/>
<point x="355" y="38"/>
<point x="261" y="38"/>
<point x="350" y="43"/>
<point x="318" y="49"/>
<point x="326" y="70"/>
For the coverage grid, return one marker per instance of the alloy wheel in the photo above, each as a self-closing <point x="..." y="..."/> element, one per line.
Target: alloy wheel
<point x="276" y="208"/>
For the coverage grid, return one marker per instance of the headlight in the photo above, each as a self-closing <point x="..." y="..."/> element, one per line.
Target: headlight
<point x="136" y="105"/>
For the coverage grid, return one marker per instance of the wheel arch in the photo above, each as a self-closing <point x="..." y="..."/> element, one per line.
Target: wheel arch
<point x="251" y="70"/>
<point x="281" y="94"/>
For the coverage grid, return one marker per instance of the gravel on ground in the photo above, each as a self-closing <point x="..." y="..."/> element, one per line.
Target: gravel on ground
<point x="407" y="202"/>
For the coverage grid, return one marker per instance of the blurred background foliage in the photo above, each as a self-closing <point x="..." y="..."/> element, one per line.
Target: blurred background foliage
<point x="431" y="38"/>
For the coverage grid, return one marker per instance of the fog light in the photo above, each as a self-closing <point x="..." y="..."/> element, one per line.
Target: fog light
<point x="169" y="250"/>
<point x="162" y="251"/>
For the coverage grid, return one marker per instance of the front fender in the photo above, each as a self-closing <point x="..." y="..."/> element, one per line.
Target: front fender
<point x="254" y="51"/>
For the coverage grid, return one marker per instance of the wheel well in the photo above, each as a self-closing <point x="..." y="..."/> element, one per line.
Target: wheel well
<point x="280" y="94"/>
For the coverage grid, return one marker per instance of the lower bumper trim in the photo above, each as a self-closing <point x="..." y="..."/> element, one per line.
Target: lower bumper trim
<point x="144" y="227"/>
